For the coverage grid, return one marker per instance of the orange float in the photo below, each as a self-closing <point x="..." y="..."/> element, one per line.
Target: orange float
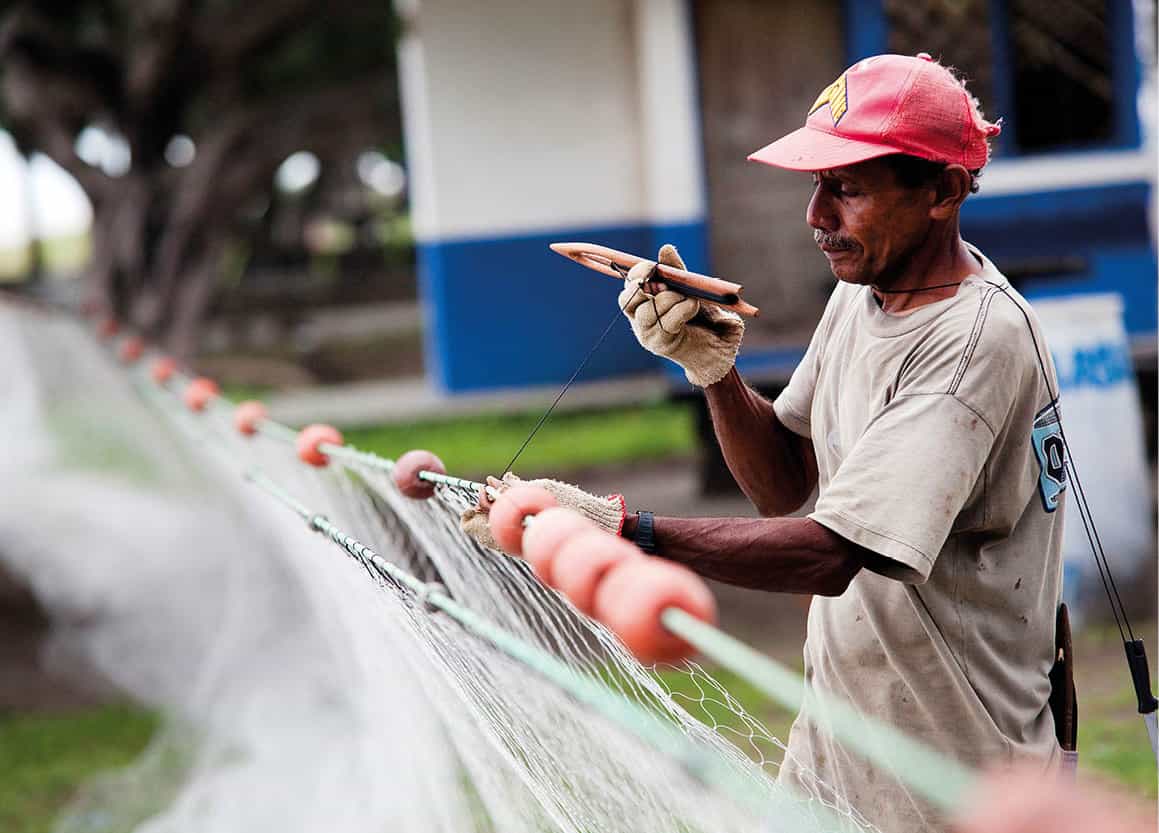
<point x="163" y="370"/>
<point x="509" y="510"/>
<point x="200" y="392"/>
<point x="247" y="415"/>
<point x="131" y="349"/>
<point x="582" y="562"/>
<point x="107" y="327"/>
<point x="544" y="537"/>
<point x="406" y="473"/>
<point x="312" y="436"/>
<point x="634" y="594"/>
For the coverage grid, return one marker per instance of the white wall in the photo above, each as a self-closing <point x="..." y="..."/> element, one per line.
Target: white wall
<point x="670" y="141"/>
<point x="551" y="115"/>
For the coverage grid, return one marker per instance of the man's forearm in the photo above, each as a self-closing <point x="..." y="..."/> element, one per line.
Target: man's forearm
<point x="784" y="555"/>
<point x="764" y="456"/>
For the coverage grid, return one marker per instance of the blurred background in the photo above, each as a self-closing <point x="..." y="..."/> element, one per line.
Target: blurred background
<point x="343" y="208"/>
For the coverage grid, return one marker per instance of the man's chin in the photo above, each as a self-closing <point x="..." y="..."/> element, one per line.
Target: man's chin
<point x="847" y="275"/>
<point x="845" y="268"/>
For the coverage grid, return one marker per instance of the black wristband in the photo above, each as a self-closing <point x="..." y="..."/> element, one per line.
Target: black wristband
<point x="645" y="533"/>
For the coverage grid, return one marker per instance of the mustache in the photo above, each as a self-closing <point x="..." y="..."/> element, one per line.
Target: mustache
<point x="832" y="240"/>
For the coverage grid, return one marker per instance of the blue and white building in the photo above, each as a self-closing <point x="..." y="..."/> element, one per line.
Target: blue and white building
<point x="626" y="123"/>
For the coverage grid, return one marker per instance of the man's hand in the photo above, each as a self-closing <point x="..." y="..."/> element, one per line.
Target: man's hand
<point x="701" y="338"/>
<point x="606" y="512"/>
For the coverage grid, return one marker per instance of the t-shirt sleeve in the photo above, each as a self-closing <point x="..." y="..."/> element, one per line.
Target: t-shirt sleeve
<point x="795" y="402"/>
<point x="903" y="484"/>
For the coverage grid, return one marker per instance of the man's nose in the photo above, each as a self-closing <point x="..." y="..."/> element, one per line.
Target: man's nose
<point x="819" y="214"/>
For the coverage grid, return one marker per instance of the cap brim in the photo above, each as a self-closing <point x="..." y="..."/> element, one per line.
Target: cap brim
<point x="809" y="149"/>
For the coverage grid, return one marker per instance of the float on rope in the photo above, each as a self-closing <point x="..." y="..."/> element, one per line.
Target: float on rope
<point x="200" y="392"/>
<point x="247" y="415"/>
<point x="408" y="471"/>
<point x="682" y="613"/>
<point x="315" y="441"/>
<point x="163" y="369"/>
<point x="131" y="349"/>
<point x="107" y="327"/>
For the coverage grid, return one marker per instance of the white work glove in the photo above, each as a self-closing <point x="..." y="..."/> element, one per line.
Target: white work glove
<point x="606" y="512"/>
<point x="701" y="338"/>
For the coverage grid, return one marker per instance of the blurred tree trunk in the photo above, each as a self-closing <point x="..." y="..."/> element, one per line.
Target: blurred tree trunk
<point x="251" y="83"/>
<point x="33" y="248"/>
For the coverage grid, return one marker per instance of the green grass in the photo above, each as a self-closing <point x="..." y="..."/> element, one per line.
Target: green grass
<point x="568" y="441"/>
<point x="710" y="707"/>
<point x="240" y="393"/>
<point x="44" y="758"/>
<point x="1113" y="742"/>
<point x="61" y="254"/>
<point x="1113" y="745"/>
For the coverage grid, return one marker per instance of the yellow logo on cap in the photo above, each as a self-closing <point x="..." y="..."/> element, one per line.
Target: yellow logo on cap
<point x="836" y="97"/>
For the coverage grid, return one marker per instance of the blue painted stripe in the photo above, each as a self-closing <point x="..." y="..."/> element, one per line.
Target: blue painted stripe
<point x="1057" y="222"/>
<point x="1106" y="227"/>
<point x="758" y="365"/>
<point x="866" y="29"/>
<point x="1002" y="79"/>
<point x="1125" y="73"/>
<point x="509" y="312"/>
<point x="1128" y="271"/>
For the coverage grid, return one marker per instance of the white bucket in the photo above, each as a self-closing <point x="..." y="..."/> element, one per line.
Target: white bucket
<point x="1103" y="422"/>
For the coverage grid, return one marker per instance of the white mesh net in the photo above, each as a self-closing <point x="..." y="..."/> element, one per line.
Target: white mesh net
<point x="303" y="691"/>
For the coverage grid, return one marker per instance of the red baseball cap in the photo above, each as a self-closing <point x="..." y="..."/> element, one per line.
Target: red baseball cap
<point x="882" y="105"/>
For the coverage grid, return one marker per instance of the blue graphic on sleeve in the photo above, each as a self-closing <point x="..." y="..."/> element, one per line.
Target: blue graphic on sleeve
<point x="1051" y="453"/>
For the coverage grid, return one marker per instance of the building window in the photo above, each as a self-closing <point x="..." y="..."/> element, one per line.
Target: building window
<point x="1048" y="67"/>
<point x="1061" y="73"/>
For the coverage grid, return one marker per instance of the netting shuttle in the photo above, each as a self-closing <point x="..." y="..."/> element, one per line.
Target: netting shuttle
<point x="616" y="264"/>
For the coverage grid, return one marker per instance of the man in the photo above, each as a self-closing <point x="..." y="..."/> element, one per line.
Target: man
<point x="923" y="413"/>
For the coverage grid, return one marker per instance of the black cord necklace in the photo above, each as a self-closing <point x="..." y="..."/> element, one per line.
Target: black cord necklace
<point x="919" y="289"/>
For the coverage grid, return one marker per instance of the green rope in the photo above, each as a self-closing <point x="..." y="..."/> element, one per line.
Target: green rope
<point x="939" y="778"/>
<point x="598" y="696"/>
<point x="472" y="486"/>
<point x="276" y="430"/>
<point x="448" y="480"/>
<point x="942" y="780"/>
<point x="348" y="453"/>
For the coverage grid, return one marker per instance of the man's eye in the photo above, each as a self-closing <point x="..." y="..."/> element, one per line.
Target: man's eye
<point x="847" y="191"/>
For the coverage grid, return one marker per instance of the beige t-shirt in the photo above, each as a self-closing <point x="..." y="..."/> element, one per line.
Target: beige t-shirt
<point x="938" y="449"/>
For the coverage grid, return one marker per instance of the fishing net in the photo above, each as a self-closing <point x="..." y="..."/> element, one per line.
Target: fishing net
<point x="303" y="688"/>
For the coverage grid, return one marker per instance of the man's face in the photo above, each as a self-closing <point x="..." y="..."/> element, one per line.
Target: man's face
<point x="866" y="223"/>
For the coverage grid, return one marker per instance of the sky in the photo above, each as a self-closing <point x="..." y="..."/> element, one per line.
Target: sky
<point x="60" y="207"/>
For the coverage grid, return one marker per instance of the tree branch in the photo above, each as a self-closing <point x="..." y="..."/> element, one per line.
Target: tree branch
<point x="248" y="27"/>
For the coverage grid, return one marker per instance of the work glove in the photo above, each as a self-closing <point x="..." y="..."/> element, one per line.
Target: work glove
<point x="701" y="338"/>
<point x="606" y="512"/>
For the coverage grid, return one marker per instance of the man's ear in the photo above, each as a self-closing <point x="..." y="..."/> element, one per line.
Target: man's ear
<point x="952" y="188"/>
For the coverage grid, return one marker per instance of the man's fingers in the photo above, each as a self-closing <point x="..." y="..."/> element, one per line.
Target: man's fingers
<point x="670" y="257"/>
<point x="675" y="308"/>
<point x="631" y="297"/>
<point x="640" y="272"/>
<point x="670" y="310"/>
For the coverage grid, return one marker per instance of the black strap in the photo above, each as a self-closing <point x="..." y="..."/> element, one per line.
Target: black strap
<point x="645" y="532"/>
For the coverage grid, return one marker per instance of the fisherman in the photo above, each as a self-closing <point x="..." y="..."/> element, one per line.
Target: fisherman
<point x="924" y="414"/>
